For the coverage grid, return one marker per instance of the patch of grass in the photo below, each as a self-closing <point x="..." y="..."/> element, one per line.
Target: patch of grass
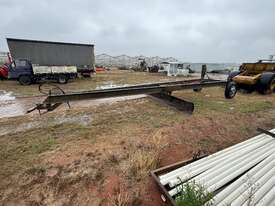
<point x="146" y="156"/>
<point x="119" y="198"/>
<point x="256" y="107"/>
<point x="19" y="151"/>
<point x="141" y="162"/>
<point x="68" y="131"/>
<point x="206" y="143"/>
<point x="204" y="105"/>
<point x="212" y="99"/>
<point x="26" y="146"/>
<point x="38" y="147"/>
<point x="112" y="158"/>
<point x="193" y="194"/>
<point x="37" y="170"/>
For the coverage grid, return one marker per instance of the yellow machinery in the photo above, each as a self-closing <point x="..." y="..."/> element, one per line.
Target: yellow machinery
<point x="258" y="76"/>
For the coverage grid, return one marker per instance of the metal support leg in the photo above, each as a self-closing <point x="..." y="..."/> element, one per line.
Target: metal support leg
<point x="179" y="104"/>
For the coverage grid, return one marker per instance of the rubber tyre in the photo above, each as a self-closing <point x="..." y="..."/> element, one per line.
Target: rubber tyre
<point x="267" y="83"/>
<point x="197" y="89"/>
<point x="25" y="80"/>
<point x="246" y="89"/>
<point x="62" y="79"/>
<point x="86" y="75"/>
<point x="272" y="86"/>
<point x="230" y="90"/>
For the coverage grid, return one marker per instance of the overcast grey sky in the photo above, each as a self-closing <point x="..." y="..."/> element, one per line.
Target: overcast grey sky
<point x="190" y="30"/>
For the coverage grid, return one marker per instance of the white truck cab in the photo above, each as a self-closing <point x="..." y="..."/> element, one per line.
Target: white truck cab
<point x="174" y="68"/>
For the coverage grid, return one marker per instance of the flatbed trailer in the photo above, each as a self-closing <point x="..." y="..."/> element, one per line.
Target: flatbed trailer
<point x="161" y="91"/>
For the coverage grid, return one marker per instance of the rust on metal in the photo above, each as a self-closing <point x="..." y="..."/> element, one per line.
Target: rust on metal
<point x="157" y="89"/>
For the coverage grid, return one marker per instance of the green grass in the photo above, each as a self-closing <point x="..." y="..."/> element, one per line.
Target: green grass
<point x="256" y="107"/>
<point x="212" y="99"/>
<point x="114" y="121"/>
<point x="193" y="194"/>
<point x="232" y="107"/>
<point x="20" y="150"/>
<point x="40" y="146"/>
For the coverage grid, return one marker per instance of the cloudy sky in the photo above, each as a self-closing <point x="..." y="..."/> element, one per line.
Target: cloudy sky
<point x="190" y="30"/>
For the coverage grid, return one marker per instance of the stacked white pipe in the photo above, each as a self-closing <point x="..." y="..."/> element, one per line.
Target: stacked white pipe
<point x="251" y="164"/>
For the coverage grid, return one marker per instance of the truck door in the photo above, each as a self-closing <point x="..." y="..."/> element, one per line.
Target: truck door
<point x="20" y="67"/>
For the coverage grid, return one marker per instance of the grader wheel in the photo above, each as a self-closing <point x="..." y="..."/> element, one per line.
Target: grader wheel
<point x="230" y="90"/>
<point x="272" y="85"/>
<point x="267" y="87"/>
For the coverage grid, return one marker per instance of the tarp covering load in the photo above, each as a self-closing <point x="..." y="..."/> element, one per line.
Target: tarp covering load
<point x="47" y="53"/>
<point x="243" y="174"/>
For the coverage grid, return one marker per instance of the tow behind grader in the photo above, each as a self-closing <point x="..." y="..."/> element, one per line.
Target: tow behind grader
<point x="259" y="76"/>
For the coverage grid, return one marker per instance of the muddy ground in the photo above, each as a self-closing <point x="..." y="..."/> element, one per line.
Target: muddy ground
<point x="101" y="154"/>
<point x="16" y="99"/>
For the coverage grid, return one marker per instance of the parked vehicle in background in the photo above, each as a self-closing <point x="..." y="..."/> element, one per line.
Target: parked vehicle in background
<point x="259" y="76"/>
<point x="142" y="66"/>
<point x="3" y="72"/>
<point x="25" y="73"/>
<point x="153" y="69"/>
<point x="49" y="53"/>
<point x="5" y="61"/>
<point x="3" y="57"/>
<point x="173" y="69"/>
<point x="100" y="68"/>
<point x="85" y="71"/>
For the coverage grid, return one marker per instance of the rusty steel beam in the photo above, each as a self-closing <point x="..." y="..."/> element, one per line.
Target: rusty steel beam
<point x="133" y="90"/>
<point x="162" y="90"/>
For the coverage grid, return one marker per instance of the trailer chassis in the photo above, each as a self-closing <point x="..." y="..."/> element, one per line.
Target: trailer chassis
<point x="161" y="91"/>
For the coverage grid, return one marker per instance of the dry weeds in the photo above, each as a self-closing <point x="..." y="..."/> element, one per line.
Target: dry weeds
<point x="120" y="197"/>
<point x="146" y="157"/>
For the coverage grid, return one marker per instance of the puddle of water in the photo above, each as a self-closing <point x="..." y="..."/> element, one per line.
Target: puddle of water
<point x="110" y="100"/>
<point x="6" y="96"/>
<point x="9" y="105"/>
<point x="110" y="84"/>
<point x="39" y="123"/>
<point x="79" y="119"/>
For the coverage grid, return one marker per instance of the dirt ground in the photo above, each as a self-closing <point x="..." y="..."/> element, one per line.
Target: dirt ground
<point x="99" y="80"/>
<point x="102" y="154"/>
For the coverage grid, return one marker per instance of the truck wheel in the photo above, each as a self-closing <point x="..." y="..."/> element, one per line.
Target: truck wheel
<point x="272" y="85"/>
<point x="246" y="89"/>
<point x="62" y="79"/>
<point x="25" y="80"/>
<point x="197" y="89"/>
<point x="267" y="83"/>
<point x="230" y="90"/>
